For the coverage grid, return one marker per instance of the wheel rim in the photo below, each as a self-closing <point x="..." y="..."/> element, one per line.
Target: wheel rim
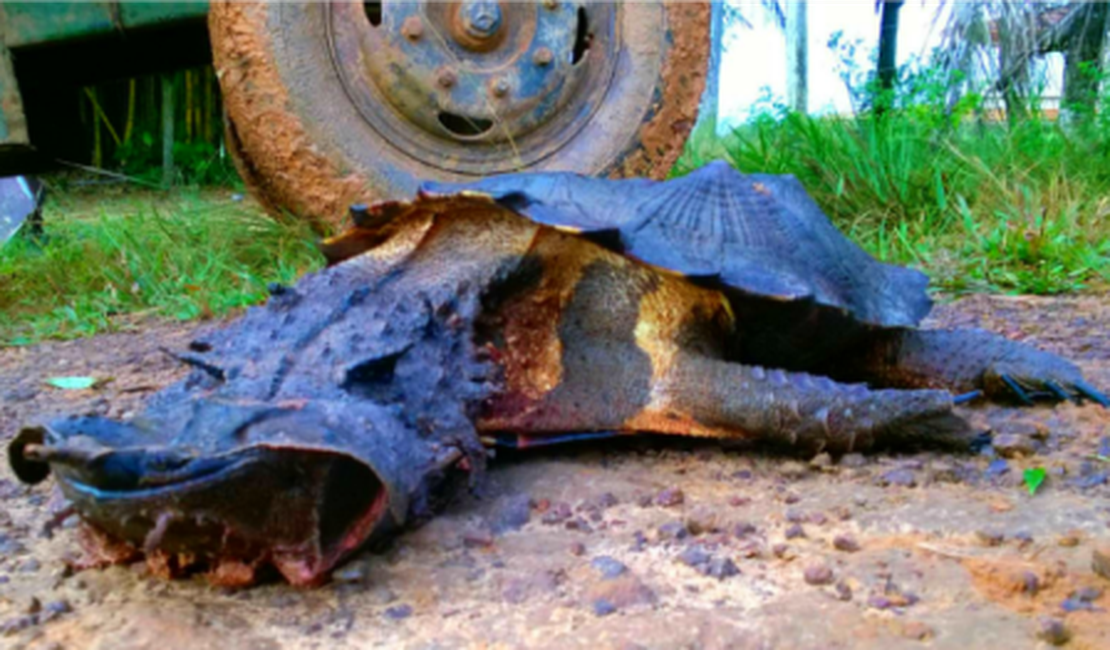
<point x="475" y="86"/>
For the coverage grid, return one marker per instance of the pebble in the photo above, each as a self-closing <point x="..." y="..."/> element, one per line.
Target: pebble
<point x="821" y="461"/>
<point x="673" y="530"/>
<point x="743" y="529"/>
<point x="1069" y="540"/>
<point x="793" y="470"/>
<point x="1087" y="594"/>
<point x="702" y="520"/>
<point x="721" y="568"/>
<point x="898" y="477"/>
<point x="989" y="537"/>
<point x="736" y="502"/>
<point x="578" y="548"/>
<point x="1030" y="583"/>
<point x="1053" y="631"/>
<point x="853" y="460"/>
<point x="845" y="543"/>
<point x="1011" y="445"/>
<point x="694" y="556"/>
<point x="917" y="631"/>
<point x="782" y="551"/>
<point x="399" y="612"/>
<point x="603" y="607"/>
<point x="843" y="591"/>
<point x="997" y="468"/>
<point x="879" y="602"/>
<point x="795" y="531"/>
<point x="670" y="497"/>
<point x="608" y="567"/>
<point x="818" y="575"/>
<point x="556" y="514"/>
<point x="512" y="513"/>
<point x="1100" y="561"/>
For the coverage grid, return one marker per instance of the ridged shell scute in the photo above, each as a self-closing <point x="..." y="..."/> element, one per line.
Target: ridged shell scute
<point x="757" y="234"/>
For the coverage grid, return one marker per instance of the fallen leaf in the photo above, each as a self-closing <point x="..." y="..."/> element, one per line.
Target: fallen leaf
<point x="75" y="383"/>
<point x="1034" y="477"/>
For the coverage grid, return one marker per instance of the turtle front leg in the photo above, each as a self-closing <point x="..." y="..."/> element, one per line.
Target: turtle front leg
<point x="969" y="360"/>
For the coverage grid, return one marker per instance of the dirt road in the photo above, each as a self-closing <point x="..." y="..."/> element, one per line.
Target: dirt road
<point x="644" y="544"/>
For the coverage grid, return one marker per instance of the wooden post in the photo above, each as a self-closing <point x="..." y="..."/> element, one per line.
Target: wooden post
<point x="167" y="130"/>
<point x="797" y="55"/>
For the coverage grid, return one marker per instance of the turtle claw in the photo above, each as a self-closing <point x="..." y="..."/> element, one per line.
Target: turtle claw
<point x="967" y="397"/>
<point x="1060" y="393"/>
<point x="1019" y="392"/>
<point x="1089" y="392"/>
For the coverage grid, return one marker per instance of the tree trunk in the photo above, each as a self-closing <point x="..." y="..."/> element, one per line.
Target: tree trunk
<point x="888" y="54"/>
<point x="167" y="129"/>
<point x="797" y="55"/>
<point x="1083" y="59"/>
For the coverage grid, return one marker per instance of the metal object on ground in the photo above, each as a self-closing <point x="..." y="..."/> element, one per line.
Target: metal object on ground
<point x="336" y="103"/>
<point x="20" y="199"/>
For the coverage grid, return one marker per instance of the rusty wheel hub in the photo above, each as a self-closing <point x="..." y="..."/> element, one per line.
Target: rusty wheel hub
<point x="475" y="86"/>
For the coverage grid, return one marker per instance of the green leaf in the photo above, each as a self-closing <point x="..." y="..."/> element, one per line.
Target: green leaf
<point x="1034" y="477"/>
<point x="72" y="383"/>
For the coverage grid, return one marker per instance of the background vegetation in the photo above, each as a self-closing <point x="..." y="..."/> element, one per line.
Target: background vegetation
<point x="929" y="172"/>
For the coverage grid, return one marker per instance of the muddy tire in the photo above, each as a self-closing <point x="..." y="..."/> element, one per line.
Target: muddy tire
<point x="451" y="92"/>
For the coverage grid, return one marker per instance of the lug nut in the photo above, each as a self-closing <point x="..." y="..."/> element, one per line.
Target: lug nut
<point x="447" y="79"/>
<point x="412" y="28"/>
<point x="500" y="88"/>
<point x="543" y="56"/>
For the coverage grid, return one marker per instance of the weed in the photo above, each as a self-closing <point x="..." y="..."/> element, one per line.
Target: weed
<point x="193" y="256"/>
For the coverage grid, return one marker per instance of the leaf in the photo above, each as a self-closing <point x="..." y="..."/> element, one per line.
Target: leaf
<point x="73" y="383"/>
<point x="1034" y="477"/>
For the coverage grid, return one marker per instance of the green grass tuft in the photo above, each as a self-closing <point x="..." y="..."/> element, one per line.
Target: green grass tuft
<point x="190" y="256"/>
<point x="980" y="207"/>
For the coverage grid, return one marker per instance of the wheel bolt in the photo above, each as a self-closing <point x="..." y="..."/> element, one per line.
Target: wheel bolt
<point x="412" y="28"/>
<point x="447" y="79"/>
<point x="543" y="56"/>
<point x="500" y="88"/>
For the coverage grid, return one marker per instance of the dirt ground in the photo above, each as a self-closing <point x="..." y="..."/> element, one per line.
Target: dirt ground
<point x="645" y="544"/>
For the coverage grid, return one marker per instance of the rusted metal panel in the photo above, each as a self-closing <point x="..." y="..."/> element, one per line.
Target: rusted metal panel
<point x="37" y="23"/>
<point x="148" y="14"/>
<point x="13" y="123"/>
<point x="33" y="23"/>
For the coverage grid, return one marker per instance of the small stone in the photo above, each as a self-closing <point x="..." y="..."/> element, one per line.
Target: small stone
<point x="794" y="517"/>
<point x="1030" y="583"/>
<point x="853" y="461"/>
<point x="670" y="497"/>
<point x="1068" y="540"/>
<point x="843" y="591"/>
<point x="795" y="531"/>
<point x="742" y="529"/>
<point x="603" y="607"/>
<point x="1053" y="631"/>
<point x="818" y="575"/>
<point x="997" y="468"/>
<point x="580" y="525"/>
<point x="1100" y="561"/>
<point x="673" y="530"/>
<point x="917" y="631"/>
<point x="845" y="543"/>
<point x="477" y="538"/>
<point x="817" y="518"/>
<point x="721" y="568"/>
<point x="702" y="520"/>
<point x="791" y="499"/>
<point x="639" y="541"/>
<point x="30" y="566"/>
<point x="736" y="502"/>
<point x="353" y="572"/>
<point x="608" y="567"/>
<point x="607" y="500"/>
<point x="557" y="514"/>
<point x="399" y="612"/>
<point x="879" y="602"/>
<point x="511" y="513"/>
<point x="782" y="551"/>
<point x="821" y="461"/>
<point x="793" y="470"/>
<point x="34" y="606"/>
<point x="578" y="548"/>
<point x="898" y="477"/>
<point x="989" y="537"/>
<point x="1087" y="594"/>
<point x="1011" y="445"/>
<point x="694" y="557"/>
<point x="644" y="500"/>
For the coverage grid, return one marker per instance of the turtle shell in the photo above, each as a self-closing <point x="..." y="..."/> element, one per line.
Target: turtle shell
<point x="759" y="235"/>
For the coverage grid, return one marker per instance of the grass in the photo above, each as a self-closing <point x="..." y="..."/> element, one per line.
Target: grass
<point x="1017" y="209"/>
<point x="193" y="254"/>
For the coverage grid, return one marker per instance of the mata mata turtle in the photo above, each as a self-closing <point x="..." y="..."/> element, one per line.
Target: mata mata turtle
<point x="521" y="309"/>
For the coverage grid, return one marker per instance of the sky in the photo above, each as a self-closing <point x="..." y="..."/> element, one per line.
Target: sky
<point x="754" y="60"/>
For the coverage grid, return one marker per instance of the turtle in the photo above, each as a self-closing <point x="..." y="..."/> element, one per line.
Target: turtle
<point x="517" y="311"/>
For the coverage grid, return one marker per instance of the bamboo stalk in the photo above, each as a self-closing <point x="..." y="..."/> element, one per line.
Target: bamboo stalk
<point x="129" y="123"/>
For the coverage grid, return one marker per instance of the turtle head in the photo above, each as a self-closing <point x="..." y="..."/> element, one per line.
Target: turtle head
<point x="254" y="487"/>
